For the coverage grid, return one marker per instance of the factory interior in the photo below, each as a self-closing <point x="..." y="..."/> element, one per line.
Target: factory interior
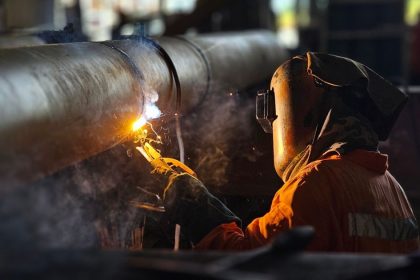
<point x="104" y="102"/>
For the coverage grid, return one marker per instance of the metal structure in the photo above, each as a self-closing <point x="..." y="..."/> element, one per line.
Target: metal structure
<point x="62" y="103"/>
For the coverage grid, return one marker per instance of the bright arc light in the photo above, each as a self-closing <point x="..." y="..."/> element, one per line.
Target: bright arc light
<point x="152" y="111"/>
<point x="139" y="123"/>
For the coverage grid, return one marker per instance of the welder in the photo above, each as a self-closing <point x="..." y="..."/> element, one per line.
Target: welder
<point x="327" y="115"/>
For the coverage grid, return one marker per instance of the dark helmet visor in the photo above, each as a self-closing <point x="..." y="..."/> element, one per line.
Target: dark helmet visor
<point x="266" y="109"/>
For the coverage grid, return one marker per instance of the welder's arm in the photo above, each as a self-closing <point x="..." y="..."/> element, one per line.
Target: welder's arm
<point x="259" y="232"/>
<point x="189" y="204"/>
<point x="298" y="203"/>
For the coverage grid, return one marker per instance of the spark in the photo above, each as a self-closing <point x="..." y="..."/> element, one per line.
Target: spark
<point x="151" y="111"/>
<point x="139" y="123"/>
<point x="141" y="126"/>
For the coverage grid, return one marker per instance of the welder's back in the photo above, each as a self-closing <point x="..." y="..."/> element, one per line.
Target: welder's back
<point x="362" y="208"/>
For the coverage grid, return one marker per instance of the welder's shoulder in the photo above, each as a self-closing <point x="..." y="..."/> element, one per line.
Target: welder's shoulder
<point x="312" y="188"/>
<point x="323" y="172"/>
<point x="318" y="172"/>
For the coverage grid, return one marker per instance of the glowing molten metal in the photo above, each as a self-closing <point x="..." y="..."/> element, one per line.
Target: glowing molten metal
<point x="139" y="123"/>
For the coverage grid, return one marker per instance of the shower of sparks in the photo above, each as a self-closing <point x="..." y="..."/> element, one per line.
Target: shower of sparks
<point x="151" y="111"/>
<point x="143" y="130"/>
<point x="143" y="135"/>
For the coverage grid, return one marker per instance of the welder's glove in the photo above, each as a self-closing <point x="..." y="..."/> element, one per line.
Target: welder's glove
<point x="189" y="204"/>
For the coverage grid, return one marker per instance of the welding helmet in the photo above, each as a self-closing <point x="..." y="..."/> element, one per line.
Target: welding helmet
<point x="302" y="90"/>
<point x="290" y="110"/>
<point x="266" y="100"/>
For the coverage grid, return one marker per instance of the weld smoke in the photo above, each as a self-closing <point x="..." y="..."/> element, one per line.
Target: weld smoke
<point x="215" y="134"/>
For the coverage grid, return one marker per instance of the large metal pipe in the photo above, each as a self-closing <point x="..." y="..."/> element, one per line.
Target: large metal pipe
<point x="62" y="103"/>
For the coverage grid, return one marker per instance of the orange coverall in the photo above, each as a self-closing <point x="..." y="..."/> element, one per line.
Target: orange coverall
<point x="352" y="201"/>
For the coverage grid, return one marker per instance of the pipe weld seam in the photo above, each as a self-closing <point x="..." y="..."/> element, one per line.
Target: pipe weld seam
<point x="133" y="67"/>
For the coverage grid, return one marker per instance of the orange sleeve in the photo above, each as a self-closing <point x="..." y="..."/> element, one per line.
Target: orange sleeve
<point x="299" y="202"/>
<point x="258" y="233"/>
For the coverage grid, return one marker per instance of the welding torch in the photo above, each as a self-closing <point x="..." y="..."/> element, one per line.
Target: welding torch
<point x="196" y="216"/>
<point x="163" y="165"/>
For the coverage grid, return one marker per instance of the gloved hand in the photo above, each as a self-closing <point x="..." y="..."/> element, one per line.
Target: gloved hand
<point x="189" y="204"/>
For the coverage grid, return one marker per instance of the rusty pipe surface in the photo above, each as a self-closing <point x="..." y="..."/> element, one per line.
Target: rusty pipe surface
<point x="62" y="103"/>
